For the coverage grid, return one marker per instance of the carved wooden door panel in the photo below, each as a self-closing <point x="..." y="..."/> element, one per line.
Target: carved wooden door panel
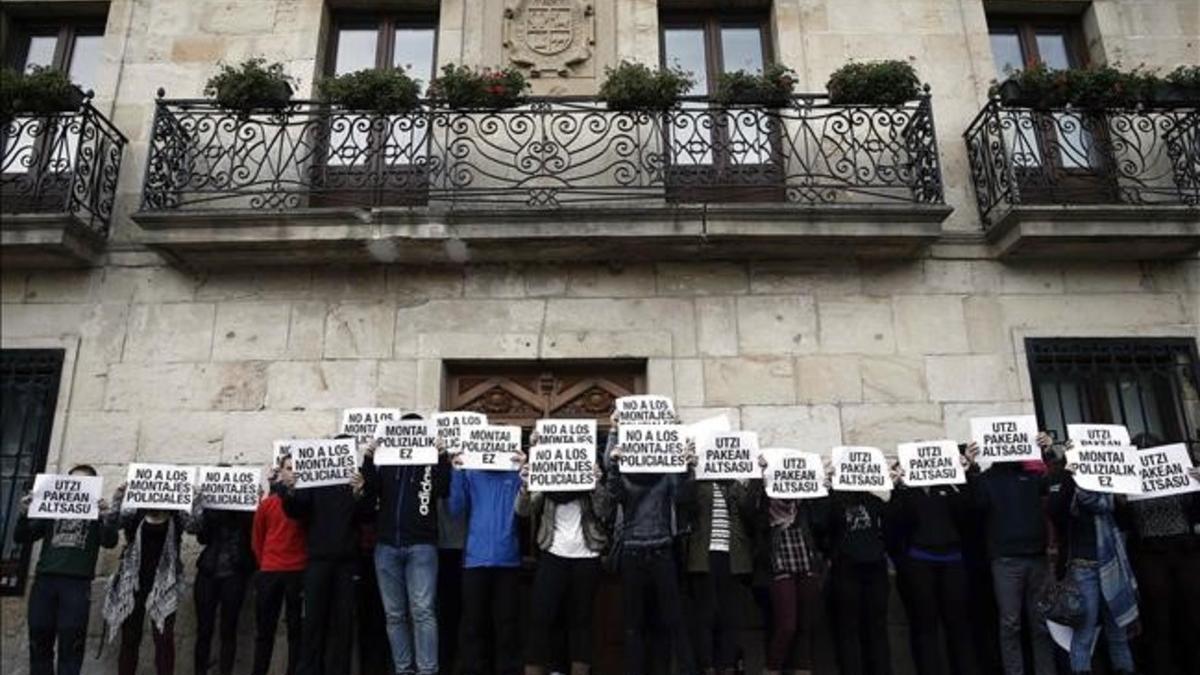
<point x="520" y="394"/>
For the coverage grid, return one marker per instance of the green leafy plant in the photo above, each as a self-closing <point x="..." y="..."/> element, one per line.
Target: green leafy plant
<point x="772" y="87"/>
<point x="1090" y="88"/>
<point x="1181" y="85"/>
<point x="252" y="84"/>
<point x="42" y="90"/>
<point x="386" y="91"/>
<point x="874" y="83"/>
<point x="464" y="88"/>
<point x="1185" y="76"/>
<point x="635" y="86"/>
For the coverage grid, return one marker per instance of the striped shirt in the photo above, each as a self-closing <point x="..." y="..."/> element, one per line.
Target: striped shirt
<point x="719" y="539"/>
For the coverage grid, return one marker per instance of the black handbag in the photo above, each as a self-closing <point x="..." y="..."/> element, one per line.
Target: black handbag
<point x="1060" y="600"/>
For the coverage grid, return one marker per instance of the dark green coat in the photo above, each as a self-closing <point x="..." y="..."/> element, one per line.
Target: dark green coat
<point x="740" y="500"/>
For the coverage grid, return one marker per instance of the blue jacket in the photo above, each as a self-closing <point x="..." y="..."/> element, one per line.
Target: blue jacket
<point x="486" y="498"/>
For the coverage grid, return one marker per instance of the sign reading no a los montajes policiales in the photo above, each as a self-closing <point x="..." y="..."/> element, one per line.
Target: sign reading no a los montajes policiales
<point x="66" y="497"/>
<point x="645" y="409"/>
<point x="229" y="488"/>
<point x="452" y="426"/>
<point x="1005" y="439"/>
<point x="320" y="461"/>
<point x="652" y="448"/>
<point x="363" y="423"/>
<point x="159" y="486"/>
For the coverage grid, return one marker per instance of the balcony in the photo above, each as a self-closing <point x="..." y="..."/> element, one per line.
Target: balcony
<point x="1120" y="183"/>
<point x="58" y="182"/>
<point x="554" y="179"/>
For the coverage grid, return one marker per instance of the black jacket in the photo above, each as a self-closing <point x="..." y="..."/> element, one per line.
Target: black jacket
<point x="1011" y="499"/>
<point x="330" y="515"/>
<point x="848" y="527"/>
<point x="931" y="519"/>
<point x="225" y="536"/>
<point x="404" y="500"/>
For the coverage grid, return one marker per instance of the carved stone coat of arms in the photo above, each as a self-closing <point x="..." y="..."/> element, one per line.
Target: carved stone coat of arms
<point x="549" y="36"/>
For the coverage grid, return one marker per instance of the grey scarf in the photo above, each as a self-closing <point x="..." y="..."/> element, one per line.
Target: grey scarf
<point x="163" y="599"/>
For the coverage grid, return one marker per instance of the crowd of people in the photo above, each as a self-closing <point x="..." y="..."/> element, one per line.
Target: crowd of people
<point x="972" y="567"/>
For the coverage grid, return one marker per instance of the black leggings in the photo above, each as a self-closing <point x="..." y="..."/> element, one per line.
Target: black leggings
<point x="491" y="594"/>
<point x="713" y="595"/>
<point x="131" y="641"/>
<point x="860" y="600"/>
<point x="562" y="587"/>
<point x="272" y="591"/>
<point x="940" y="597"/>
<point x="651" y="571"/>
<point x="213" y="595"/>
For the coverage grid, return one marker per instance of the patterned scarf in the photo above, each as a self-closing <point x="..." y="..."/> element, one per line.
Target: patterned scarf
<point x="163" y="598"/>
<point x="1117" y="582"/>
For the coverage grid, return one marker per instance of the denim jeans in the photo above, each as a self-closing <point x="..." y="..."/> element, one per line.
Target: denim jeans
<point x="1087" y="580"/>
<point x="408" y="588"/>
<point x="1017" y="582"/>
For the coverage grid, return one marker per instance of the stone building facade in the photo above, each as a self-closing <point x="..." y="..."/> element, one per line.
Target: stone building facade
<point x="201" y="335"/>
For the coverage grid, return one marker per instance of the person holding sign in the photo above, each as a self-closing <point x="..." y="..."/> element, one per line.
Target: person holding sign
<point x="406" y="558"/>
<point x="1010" y="494"/>
<point x="1097" y="564"/>
<point x="491" y="562"/>
<point x="330" y="515"/>
<point x="647" y="563"/>
<point x="62" y="587"/>
<point x="148" y="581"/>
<point x="719" y="559"/>
<point x="570" y="537"/>
<point x="928" y="523"/>
<point x="1165" y="547"/>
<point x="222" y="571"/>
<point x="279" y="548"/>
<point x="849" y="529"/>
<point x="796" y="572"/>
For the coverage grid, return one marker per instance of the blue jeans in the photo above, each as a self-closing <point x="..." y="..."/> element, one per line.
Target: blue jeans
<point x="408" y="587"/>
<point x="1087" y="579"/>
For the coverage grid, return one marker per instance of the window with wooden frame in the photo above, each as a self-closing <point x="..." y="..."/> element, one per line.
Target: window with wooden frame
<point x="720" y="155"/>
<point x="378" y="160"/>
<point x="39" y="152"/>
<point x="1060" y="156"/>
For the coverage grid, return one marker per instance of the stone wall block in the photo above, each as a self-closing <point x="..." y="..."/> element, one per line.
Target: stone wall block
<point x="597" y="344"/>
<point x="858" y="326"/>
<point x="701" y="278"/>
<point x="976" y="377"/>
<point x="749" y="380"/>
<point x="893" y="379"/>
<point x="828" y="379"/>
<point x="883" y="425"/>
<point x="649" y="314"/>
<point x="251" y="330"/>
<point x="181" y="437"/>
<point x="321" y="385"/>
<point x="172" y="332"/>
<point x="355" y="330"/>
<point x="814" y="428"/>
<point x="717" y="326"/>
<point x="776" y="324"/>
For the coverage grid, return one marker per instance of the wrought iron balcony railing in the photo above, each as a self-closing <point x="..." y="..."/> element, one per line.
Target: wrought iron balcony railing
<point x="66" y="163"/>
<point x="545" y="154"/>
<point x="1022" y="156"/>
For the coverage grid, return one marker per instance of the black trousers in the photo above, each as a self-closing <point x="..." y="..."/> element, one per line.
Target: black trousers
<point x="652" y="572"/>
<point x="563" y="588"/>
<point x="491" y="594"/>
<point x="860" y="600"/>
<point x="449" y="607"/>
<point x="272" y="591"/>
<point x="940" y="598"/>
<point x="713" y="595"/>
<point x="328" y="617"/>
<point x="1169" y="583"/>
<point x="58" y="613"/>
<point x="215" y="596"/>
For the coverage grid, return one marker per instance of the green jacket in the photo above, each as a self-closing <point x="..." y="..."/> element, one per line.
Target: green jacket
<point x="740" y="500"/>
<point x="597" y="505"/>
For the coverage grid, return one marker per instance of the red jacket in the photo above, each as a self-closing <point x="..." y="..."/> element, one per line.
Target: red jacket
<point x="278" y="541"/>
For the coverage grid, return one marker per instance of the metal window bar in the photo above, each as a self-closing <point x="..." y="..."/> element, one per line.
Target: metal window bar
<point x="1150" y="385"/>
<point x="29" y="381"/>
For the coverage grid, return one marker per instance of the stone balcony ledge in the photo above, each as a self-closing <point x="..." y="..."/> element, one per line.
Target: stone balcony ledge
<point x="1107" y="231"/>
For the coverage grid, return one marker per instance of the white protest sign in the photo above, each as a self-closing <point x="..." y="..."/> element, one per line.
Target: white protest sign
<point x="931" y="463"/>
<point x="320" y="461"/>
<point x="159" y="486"/>
<point x="793" y="474"/>
<point x="645" y="409"/>
<point x="652" y="448"/>
<point x="451" y="426"/>
<point x="491" y="448"/>
<point x="1105" y="469"/>
<point x="713" y="425"/>
<point x="1098" y="435"/>
<point x="1006" y="439"/>
<point x="562" y="468"/>
<point x="229" y="488"/>
<point x="860" y="469"/>
<point x="727" y="455"/>
<point x="66" y="497"/>
<point x="1164" y="472"/>
<point x="566" y="432"/>
<point x="361" y="423"/>
<point x="406" y="442"/>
